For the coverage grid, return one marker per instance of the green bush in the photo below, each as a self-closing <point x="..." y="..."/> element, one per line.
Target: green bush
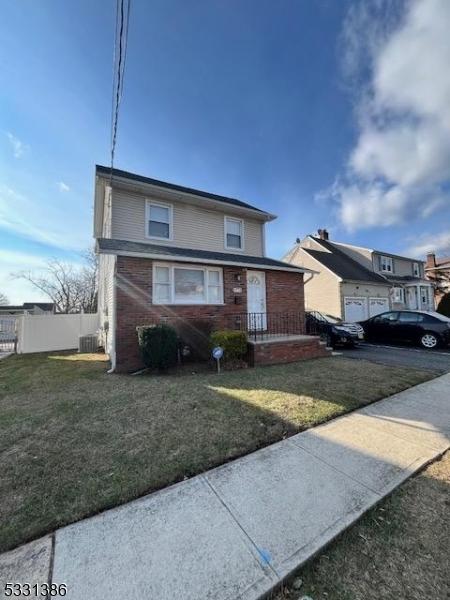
<point x="158" y="345"/>
<point x="234" y="343"/>
<point x="444" y="305"/>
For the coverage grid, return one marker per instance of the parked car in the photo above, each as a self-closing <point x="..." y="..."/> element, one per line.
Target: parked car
<point x="334" y="330"/>
<point x="425" y="328"/>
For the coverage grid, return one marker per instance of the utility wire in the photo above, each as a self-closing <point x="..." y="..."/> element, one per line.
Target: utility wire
<point x="120" y="51"/>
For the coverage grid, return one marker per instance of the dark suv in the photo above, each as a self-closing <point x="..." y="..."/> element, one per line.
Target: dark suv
<point x="427" y="329"/>
<point x="332" y="329"/>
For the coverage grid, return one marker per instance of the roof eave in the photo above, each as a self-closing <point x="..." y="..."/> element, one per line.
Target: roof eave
<point x="202" y="260"/>
<point x="152" y="188"/>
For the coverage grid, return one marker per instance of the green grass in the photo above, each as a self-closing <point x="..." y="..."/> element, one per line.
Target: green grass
<point x="75" y="440"/>
<point x="397" y="551"/>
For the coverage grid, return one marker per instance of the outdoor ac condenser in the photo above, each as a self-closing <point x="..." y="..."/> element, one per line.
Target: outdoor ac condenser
<point x="88" y="343"/>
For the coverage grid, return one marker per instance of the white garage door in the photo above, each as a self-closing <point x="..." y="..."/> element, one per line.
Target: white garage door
<point x="377" y="306"/>
<point x="355" y="309"/>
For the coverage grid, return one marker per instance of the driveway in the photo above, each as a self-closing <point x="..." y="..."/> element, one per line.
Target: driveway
<point x="405" y="356"/>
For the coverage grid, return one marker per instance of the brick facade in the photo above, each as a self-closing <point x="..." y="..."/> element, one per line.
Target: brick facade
<point x="284" y="293"/>
<point x="276" y="352"/>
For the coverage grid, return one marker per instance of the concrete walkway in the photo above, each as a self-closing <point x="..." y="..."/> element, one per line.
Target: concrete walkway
<point x="238" y="530"/>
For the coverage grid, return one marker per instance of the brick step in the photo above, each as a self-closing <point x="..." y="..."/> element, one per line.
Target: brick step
<point x="291" y="349"/>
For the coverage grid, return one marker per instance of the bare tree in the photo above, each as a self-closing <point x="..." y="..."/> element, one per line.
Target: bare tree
<point x="72" y="289"/>
<point x="3" y="299"/>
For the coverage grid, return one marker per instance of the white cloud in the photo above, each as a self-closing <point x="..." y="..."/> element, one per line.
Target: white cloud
<point x="18" y="147"/>
<point x="438" y="243"/>
<point x="400" y="164"/>
<point x="26" y="217"/>
<point x="63" y="187"/>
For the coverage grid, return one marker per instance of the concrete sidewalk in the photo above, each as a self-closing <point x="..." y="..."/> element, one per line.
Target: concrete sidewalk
<point x="238" y="530"/>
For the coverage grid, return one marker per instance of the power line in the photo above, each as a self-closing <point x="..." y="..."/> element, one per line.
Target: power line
<point x="120" y="52"/>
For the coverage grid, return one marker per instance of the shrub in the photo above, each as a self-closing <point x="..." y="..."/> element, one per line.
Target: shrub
<point x="444" y="305"/>
<point x="196" y="335"/>
<point x="158" y="345"/>
<point x="234" y="343"/>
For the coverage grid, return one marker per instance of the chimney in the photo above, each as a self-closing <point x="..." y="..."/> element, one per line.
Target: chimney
<point x="431" y="260"/>
<point x="323" y="234"/>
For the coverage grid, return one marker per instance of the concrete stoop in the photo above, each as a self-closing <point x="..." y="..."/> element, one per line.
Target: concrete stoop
<point x="237" y="531"/>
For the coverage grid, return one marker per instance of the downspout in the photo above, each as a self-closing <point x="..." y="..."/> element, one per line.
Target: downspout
<point x="112" y="332"/>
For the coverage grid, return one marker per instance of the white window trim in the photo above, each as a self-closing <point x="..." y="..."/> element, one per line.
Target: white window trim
<point x="196" y="267"/>
<point x="241" y="222"/>
<point x="402" y="299"/>
<point x="389" y="259"/>
<point x="148" y="204"/>
<point x="414" y="265"/>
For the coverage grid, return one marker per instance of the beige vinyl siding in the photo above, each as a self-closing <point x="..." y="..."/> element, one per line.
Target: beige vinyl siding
<point x="106" y="298"/>
<point x="107" y="216"/>
<point x="322" y="290"/>
<point x="402" y="266"/>
<point x="193" y="226"/>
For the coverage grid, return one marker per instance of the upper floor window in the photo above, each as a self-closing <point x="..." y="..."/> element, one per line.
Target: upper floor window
<point x="386" y="264"/>
<point x="234" y="233"/>
<point x="416" y="269"/>
<point x="159" y="220"/>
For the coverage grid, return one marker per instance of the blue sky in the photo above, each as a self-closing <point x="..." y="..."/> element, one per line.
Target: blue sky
<point x="311" y="110"/>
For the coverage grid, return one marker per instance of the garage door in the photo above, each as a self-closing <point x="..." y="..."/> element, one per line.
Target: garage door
<point x="355" y="309"/>
<point x="377" y="306"/>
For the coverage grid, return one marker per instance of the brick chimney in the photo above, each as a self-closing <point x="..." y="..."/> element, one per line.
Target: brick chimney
<point x="431" y="260"/>
<point x="323" y="234"/>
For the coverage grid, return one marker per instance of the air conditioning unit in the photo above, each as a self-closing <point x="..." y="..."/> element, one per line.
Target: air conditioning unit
<point x="88" y="343"/>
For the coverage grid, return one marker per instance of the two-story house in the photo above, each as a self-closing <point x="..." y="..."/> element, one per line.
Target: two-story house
<point x="167" y="251"/>
<point x="355" y="283"/>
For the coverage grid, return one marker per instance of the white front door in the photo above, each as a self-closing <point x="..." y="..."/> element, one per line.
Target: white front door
<point x="256" y="300"/>
<point x="355" y="309"/>
<point x="378" y="305"/>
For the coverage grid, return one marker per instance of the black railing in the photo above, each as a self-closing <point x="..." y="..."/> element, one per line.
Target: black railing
<point x="266" y="325"/>
<point x="257" y="326"/>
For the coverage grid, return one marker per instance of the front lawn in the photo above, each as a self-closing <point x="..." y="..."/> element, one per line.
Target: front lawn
<point x="398" y="551"/>
<point x="75" y="440"/>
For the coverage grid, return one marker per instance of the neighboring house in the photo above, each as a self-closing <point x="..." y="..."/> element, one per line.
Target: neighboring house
<point x="437" y="270"/>
<point x="355" y="283"/>
<point x="30" y="308"/>
<point x="166" y="251"/>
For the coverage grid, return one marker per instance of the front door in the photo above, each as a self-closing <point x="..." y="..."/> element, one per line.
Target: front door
<point x="256" y="300"/>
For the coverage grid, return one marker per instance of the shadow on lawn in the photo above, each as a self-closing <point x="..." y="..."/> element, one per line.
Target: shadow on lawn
<point x="76" y="444"/>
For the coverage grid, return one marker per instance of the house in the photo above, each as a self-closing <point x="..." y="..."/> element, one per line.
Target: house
<point x="167" y="252"/>
<point x="30" y="308"/>
<point x="355" y="283"/>
<point x="437" y="270"/>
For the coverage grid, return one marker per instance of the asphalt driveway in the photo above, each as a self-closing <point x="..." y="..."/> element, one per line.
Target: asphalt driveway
<point x="406" y="356"/>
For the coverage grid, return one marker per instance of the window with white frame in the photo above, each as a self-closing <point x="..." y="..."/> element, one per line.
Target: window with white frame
<point x="386" y="264"/>
<point x="234" y="233"/>
<point x="175" y="284"/>
<point x="416" y="269"/>
<point x="398" y="295"/>
<point x="159" y="220"/>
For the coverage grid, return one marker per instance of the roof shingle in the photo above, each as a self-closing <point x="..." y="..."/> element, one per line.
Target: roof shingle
<point x="342" y="265"/>
<point x="113" y="246"/>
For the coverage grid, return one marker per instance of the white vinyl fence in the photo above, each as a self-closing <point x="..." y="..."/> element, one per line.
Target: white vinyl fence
<point x="44" y="333"/>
